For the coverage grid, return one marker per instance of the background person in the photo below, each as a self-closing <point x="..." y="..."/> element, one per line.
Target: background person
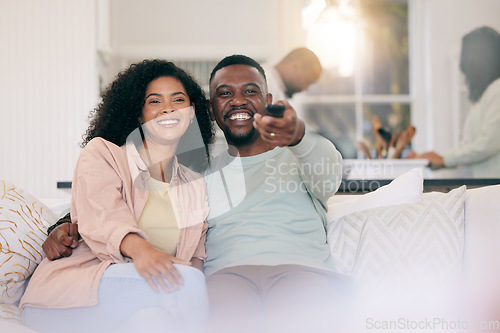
<point x="480" y="149"/>
<point x="294" y="73"/>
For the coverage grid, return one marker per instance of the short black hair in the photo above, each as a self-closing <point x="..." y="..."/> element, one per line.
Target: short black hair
<point x="237" y="59"/>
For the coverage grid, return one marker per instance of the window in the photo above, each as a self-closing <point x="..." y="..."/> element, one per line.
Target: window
<point x="366" y="71"/>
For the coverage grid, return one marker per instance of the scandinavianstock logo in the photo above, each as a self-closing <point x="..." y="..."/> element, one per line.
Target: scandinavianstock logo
<point x="321" y="177"/>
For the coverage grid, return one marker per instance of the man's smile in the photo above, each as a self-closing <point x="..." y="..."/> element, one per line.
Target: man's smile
<point x="238" y="115"/>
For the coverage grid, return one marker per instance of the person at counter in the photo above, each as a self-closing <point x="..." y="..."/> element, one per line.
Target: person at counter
<point x="480" y="149"/>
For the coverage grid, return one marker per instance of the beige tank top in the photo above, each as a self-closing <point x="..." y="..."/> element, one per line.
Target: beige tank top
<point x="159" y="217"/>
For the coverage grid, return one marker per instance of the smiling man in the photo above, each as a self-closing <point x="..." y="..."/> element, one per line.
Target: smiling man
<point x="268" y="260"/>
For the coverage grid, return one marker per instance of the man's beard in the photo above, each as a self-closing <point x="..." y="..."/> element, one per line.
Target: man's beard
<point x="239" y="139"/>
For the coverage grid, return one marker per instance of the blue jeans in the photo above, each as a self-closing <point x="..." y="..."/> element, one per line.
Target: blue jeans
<point x="128" y="304"/>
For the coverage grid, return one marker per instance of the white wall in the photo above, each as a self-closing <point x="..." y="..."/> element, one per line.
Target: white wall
<point x="209" y="29"/>
<point x="47" y="88"/>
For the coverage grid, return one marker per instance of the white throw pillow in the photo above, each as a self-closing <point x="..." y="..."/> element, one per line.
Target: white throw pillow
<point x="406" y="188"/>
<point x="23" y="228"/>
<point x="401" y="248"/>
<point x="59" y="207"/>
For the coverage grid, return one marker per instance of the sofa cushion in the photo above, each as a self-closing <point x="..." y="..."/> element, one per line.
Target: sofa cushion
<point x="402" y="247"/>
<point x="404" y="189"/>
<point x="23" y="226"/>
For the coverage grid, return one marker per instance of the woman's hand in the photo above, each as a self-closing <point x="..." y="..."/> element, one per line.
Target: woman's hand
<point x="152" y="264"/>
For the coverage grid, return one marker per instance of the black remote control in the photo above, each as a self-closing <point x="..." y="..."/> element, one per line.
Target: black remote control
<point x="275" y="110"/>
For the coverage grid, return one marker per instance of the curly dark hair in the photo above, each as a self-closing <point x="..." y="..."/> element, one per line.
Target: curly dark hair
<point x="118" y="113"/>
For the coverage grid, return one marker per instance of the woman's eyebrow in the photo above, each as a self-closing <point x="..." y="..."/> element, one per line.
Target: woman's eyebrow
<point x="160" y="95"/>
<point x="153" y="94"/>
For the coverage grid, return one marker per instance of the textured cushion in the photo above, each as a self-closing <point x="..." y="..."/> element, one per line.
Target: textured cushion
<point x="9" y="312"/>
<point x="404" y="189"/>
<point x="23" y="226"/>
<point x="402" y="247"/>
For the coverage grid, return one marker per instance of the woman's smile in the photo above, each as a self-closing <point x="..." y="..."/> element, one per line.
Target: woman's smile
<point x="168" y="123"/>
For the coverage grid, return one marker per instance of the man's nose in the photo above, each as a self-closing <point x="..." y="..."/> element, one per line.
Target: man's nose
<point x="238" y="99"/>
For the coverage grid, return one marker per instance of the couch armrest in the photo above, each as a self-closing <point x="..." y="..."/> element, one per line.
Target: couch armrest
<point x="481" y="265"/>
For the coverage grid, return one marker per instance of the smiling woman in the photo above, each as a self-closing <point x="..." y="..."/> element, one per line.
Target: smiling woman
<point x="140" y="213"/>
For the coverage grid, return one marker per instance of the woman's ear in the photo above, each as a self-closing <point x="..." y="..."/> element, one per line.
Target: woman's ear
<point x="192" y="112"/>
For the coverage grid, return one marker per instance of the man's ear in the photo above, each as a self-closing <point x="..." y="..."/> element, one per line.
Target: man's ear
<point x="269" y="98"/>
<point x="210" y="109"/>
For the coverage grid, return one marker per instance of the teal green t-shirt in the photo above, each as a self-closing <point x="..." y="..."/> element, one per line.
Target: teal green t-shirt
<point x="262" y="212"/>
